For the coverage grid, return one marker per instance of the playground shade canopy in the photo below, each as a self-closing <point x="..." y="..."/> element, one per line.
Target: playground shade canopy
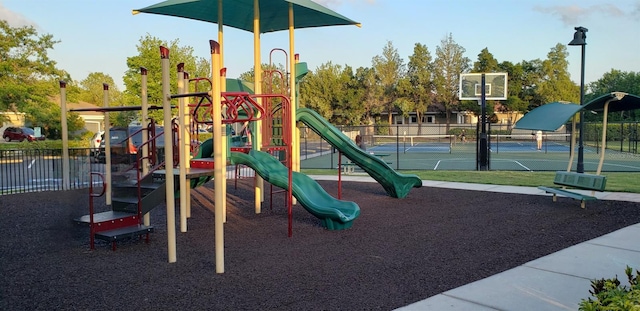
<point x="274" y="14"/>
<point x="548" y="117"/>
<point x="552" y="116"/>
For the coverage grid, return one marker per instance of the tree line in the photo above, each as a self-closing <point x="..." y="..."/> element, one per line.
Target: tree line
<point x="427" y="82"/>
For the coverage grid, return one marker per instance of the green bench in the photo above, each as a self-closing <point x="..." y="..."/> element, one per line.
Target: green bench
<point x="579" y="181"/>
<point x="350" y="167"/>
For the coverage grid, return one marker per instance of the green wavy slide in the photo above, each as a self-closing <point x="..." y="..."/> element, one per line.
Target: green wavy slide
<point x="335" y="214"/>
<point x="204" y="151"/>
<point x="396" y="185"/>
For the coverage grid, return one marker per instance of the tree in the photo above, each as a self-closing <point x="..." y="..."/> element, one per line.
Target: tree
<point x="518" y="88"/>
<point x="615" y="80"/>
<point x="486" y="62"/>
<point x="417" y="88"/>
<point x="149" y="58"/>
<point x="92" y="89"/>
<point x="556" y="84"/>
<point x="367" y="79"/>
<point x="317" y="89"/>
<point x="448" y="66"/>
<point x="348" y="106"/>
<point x="29" y="79"/>
<point x="389" y="69"/>
<point x="335" y="93"/>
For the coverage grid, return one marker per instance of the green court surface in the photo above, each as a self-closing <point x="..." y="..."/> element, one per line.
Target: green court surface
<point x="463" y="157"/>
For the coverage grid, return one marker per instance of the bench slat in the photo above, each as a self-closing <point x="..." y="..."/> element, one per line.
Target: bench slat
<point x="580" y="180"/>
<point x="567" y="193"/>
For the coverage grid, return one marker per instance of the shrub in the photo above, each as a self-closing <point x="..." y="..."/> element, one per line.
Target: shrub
<point x="609" y="295"/>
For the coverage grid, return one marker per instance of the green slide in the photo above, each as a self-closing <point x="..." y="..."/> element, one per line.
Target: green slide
<point x="334" y="214"/>
<point x="205" y="150"/>
<point x="396" y="184"/>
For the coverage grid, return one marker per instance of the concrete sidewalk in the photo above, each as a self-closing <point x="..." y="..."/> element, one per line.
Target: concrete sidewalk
<point x="558" y="281"/>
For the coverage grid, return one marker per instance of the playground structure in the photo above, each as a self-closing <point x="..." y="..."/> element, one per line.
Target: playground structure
<point x="266" y="118"/>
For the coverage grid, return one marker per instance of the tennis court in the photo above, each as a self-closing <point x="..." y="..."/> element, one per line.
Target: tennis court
<point x="508" y="152"/>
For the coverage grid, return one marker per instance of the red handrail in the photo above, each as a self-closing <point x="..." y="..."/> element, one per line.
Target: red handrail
<point x="92" y="195"/>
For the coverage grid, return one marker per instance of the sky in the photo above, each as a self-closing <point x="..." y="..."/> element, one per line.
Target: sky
<point x="99" y="35"/>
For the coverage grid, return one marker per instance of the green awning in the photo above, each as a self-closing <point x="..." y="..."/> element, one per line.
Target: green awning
<point x="274" y="14"/>
<point x="620" y="101"/>
<point x="548" y="117"/>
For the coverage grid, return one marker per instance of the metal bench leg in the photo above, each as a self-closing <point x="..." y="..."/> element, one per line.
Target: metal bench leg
<point x="113" y="246"/>
<point x="555" y="197"/>
<point x="582" y="203"/>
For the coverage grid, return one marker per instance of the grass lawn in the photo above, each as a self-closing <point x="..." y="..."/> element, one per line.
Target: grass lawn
<point x="616" y="182"/>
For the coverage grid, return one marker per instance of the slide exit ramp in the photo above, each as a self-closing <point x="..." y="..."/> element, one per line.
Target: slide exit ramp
<point x="335" y="214"/>
<point x="396" y="185"/>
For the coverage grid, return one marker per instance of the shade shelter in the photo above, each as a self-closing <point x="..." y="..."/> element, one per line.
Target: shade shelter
<point x="257" y="16"/>
<point x="274" y="14"/>
<point x="552" y="116"/>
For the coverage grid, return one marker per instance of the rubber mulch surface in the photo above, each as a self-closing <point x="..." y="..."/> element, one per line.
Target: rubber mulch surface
<point x="398" y="251"/>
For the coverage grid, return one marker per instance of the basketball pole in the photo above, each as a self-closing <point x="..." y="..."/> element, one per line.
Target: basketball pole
<point x="484" y="148"/>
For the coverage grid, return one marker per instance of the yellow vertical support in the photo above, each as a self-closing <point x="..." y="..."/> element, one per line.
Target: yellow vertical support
<point x="218" y="156"/>
<point x="168" y="156"/>
<point x="221" y="36"/>
<point x="65" y="136"/>
<point x="573" y="142"/>
<point x="604" y="136"/>
<point x="187" y="142"/>
<point x="144" y="105"/>
<point x="295" y="151"/>
<point x="223" y="140"/>
<point x="223" y="88"/>
<point x="182" y="128"/>
<point x="257" y="69"/>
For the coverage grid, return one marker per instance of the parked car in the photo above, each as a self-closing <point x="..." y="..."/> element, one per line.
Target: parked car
<point x="125" y="142"/>
<point x="20" y="134"/>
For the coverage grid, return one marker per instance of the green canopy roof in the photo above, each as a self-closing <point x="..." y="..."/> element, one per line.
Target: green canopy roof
<point x="620" y="101"/>
<point x="274" y="14"/>
<point x="548" y="117"/>
<point x="552" y="116"/>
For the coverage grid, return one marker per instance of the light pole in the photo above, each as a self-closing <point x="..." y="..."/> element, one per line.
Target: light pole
<point x="579" y="39"/>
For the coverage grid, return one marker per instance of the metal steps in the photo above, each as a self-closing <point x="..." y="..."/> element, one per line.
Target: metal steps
<point x="131" y="199"/>
<point x="124" y="233"/>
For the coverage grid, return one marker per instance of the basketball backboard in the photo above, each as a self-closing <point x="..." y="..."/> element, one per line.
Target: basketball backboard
<point x="495" y="86"/>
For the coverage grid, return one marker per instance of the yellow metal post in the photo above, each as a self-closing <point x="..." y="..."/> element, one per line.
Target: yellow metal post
<point x="218" y="156"/>
<point x="295" y="141"/>
<point x="187" y="142"/>
<point x="181" y="149"/>
<point x="144" y="105"/>
<point x="168" y="157"/>
<point x="257" y="69"/>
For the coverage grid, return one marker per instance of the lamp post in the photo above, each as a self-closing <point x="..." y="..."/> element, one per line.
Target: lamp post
<point x="579" y="39"/>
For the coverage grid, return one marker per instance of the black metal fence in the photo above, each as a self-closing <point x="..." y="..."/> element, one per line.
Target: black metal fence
<point x="407" y="147"/>
<point x="404" y="148"/>
<point x="41" y="170"/>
